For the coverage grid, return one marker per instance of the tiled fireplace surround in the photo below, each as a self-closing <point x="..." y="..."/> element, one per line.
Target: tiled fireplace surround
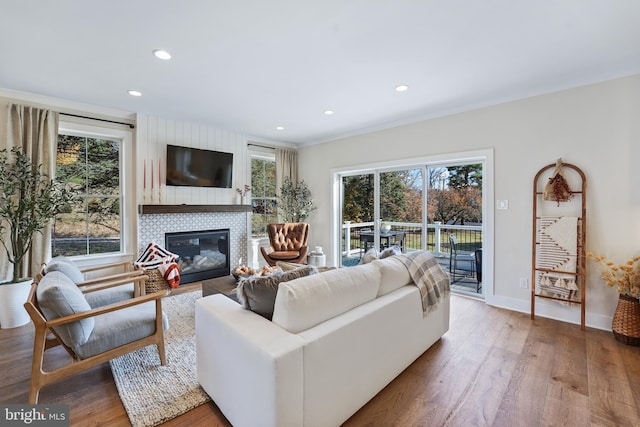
<point x="152" y="228"/>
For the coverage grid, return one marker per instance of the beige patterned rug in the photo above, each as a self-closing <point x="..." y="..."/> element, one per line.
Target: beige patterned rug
<point x="152" y="393"/>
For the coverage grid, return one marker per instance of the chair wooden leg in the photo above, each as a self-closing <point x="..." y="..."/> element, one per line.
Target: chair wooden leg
<point x="160" y="333"/>
<point x="37" y="374"/>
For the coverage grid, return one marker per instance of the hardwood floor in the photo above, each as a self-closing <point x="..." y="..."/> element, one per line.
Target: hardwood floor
<point x="493" y="368"/>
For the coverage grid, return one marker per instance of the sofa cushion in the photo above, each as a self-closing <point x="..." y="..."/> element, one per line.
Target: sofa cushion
<point x="258" y="293"/>
<point x="120" y="327"/>
<point x="393" y="274"/>
<point x="66" y="267"/>
<point x="285" y="254"/>
<point x="57" y="297"/>
<point x="308" y="301"/>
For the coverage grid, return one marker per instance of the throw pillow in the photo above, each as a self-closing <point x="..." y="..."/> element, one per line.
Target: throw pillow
<point x="258" y="293"/>
<point x="369" y="256"/>
<point x="393" y="250"/>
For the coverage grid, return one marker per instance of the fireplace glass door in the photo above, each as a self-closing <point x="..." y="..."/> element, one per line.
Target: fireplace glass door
<point x="202" y="254"/>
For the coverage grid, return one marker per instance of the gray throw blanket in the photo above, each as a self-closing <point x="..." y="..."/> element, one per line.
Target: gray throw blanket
<point x="432" y="281"/>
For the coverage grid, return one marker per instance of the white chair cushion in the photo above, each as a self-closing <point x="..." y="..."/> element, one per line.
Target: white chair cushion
<point x="305" y="302"/>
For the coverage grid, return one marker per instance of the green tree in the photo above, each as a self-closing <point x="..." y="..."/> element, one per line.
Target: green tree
<point x="358" y="198"/>
<point x="393" y="200"/>
<point x="263" y="195"/>
<point x="465" y="176"/>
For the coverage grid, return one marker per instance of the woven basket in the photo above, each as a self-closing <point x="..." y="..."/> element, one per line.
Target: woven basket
<point x="156" y="282"/>
<point x="626" y="321"/>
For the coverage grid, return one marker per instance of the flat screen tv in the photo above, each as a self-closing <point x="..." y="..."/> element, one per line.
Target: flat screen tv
<point x="194" y="167"/>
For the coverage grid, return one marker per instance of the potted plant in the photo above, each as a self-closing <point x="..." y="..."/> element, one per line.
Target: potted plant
<point x="295" y="202"/>
<point x="626" y="278"/>
<point x="28" y="201"/>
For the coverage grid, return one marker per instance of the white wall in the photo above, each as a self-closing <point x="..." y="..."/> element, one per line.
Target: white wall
<point x="596" y="127"/>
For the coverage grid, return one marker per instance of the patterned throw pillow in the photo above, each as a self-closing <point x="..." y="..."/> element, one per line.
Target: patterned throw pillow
<point x="258" y="293"/>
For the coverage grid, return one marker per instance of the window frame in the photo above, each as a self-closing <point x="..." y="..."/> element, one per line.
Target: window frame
<point x="262" y="155"/>
<point x="128" y="218"/>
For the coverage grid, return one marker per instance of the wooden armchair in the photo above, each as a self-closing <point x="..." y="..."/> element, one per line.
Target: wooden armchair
<point x="62" y="316"/>
<point x="99" y="278"/>
<point x="288" y="242"/>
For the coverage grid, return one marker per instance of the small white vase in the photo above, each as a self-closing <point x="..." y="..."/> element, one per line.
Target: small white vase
<point x="12" y="299"/>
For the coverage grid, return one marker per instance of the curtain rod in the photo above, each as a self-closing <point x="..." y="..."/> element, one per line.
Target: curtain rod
<point x="100" y="120"/>
<point x="261" y="146"/>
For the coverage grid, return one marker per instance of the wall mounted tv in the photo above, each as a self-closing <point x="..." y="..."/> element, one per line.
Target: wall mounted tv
<point x="194" y="167"/>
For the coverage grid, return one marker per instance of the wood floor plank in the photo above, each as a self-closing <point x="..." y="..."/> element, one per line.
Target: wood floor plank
<point x="564" y="406"/>
<point x="526" y="393"/>
<point x="480" y="402"/>
<point x="493" y="368"/>
<point x="612" y="400"/>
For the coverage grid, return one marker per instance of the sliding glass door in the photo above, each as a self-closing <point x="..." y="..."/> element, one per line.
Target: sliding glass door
<point x="381" y="209"/>
<point x="433" y="207"/>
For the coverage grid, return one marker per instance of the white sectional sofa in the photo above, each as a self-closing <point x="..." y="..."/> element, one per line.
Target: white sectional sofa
<point x="336" y="339"/>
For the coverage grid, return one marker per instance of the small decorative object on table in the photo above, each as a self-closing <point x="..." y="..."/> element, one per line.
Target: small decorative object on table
<point x="317" y="258"/>
<point x="626" y="278"/>
<point x="385" y="228"/>
<point x="242" y="271"/>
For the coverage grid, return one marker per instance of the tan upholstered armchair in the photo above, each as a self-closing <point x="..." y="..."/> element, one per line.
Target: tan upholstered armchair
<point x="288" y="243"/>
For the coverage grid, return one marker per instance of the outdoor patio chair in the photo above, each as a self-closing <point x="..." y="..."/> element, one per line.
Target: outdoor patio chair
<point x="467" y="259"/>
<point x="62" y="316"/>
<point x="398" y="240"/>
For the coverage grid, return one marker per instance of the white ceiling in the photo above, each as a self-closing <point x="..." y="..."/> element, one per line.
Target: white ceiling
<point x="252" y="65"/>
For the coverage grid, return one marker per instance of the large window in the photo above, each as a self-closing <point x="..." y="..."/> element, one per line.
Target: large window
<point x="263" y="193"/>
<point x="91" y="166"/>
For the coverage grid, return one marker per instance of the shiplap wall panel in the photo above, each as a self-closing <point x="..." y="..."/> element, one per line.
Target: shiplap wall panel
<point x="155" y="133"/>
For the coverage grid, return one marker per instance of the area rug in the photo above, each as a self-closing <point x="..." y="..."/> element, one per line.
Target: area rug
<point x="152" y="393"/>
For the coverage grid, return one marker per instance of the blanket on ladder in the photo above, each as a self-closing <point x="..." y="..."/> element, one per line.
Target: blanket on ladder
<point x="558" y="237"/>
<point x="432" y="281"/>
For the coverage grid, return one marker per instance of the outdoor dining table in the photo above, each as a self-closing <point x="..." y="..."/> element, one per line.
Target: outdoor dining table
<point x="366" y="239"/>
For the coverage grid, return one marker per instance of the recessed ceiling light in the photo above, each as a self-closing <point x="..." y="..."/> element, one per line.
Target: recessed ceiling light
<point x="328" y="112"/>
<point x="162" y="54"/>
<point x="401" y="88"/>
<point x="279" y="128"/>
<point x="135" y="93"/>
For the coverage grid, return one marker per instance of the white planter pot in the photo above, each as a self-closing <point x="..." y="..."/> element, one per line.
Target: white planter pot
<point x="12" y="299"/>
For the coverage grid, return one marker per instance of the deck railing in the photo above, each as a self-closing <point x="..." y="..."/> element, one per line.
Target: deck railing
<point x="469" y="237"/>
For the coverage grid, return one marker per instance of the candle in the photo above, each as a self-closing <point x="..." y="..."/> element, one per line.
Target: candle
<point x="159" y="181"/>
<point x="152" y="175"/>
<point x="144" y="175"/>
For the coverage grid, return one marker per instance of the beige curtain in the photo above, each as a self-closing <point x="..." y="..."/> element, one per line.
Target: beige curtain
<point x="286" y="166"/>
<point x="36" y="132"/>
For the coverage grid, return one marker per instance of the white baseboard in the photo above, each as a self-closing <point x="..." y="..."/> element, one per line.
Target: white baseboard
<point x="553" y="310"/>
